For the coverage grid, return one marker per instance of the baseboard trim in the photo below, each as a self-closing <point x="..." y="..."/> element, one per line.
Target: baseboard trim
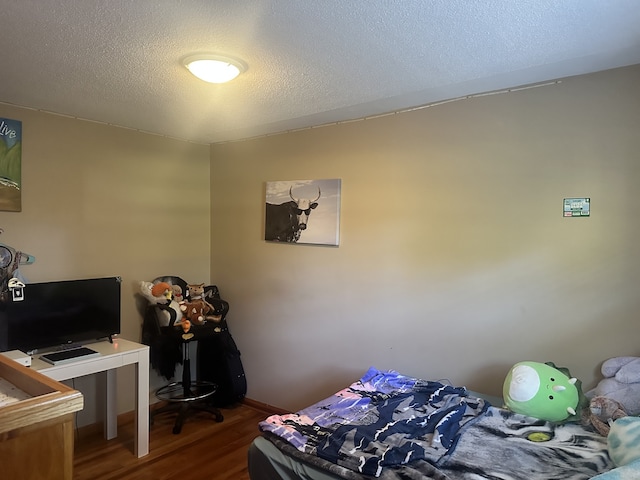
<point x="264" y="407"/>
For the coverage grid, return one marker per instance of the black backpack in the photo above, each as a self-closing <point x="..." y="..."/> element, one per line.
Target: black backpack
<point x="219" y="358"/>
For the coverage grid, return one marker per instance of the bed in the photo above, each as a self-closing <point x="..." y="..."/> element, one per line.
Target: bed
<point x="394" y="427"/>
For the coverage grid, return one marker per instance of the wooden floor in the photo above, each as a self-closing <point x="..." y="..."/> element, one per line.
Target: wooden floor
<point x="203" y="450"/>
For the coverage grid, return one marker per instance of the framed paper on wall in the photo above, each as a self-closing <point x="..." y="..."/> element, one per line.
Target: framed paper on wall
<point x="10" y="165"/>
<point x="303" y="211"/>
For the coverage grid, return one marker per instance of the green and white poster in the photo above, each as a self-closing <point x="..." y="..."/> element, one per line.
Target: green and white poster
<point x="577" y="207"/>
<point x="10" y="165"/>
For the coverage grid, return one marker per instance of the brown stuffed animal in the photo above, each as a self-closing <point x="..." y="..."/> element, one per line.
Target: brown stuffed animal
<point x="196" y="311"/>
<point x="601" y="413"/>
<point x="196" y="307"/>
<point x="196" y="290"/>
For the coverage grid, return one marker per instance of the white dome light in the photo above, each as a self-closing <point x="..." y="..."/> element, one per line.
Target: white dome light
<point x="214" y="68"/>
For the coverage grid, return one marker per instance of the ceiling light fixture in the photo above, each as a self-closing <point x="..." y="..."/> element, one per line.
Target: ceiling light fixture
<point x="214" y="68"/>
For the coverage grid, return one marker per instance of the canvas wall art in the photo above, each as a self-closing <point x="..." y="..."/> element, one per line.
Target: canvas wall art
<point x="303" y="211"/>
<point x="10" y="165"/>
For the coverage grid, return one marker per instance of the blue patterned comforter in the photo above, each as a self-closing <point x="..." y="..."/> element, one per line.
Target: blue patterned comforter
<point x="390" y="426"/>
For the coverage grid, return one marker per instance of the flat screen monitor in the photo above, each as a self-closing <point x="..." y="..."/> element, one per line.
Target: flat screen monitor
<point x="52" y="314"/>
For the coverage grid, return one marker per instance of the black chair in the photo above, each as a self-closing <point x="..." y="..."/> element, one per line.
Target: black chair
<point x="169" y="346"/>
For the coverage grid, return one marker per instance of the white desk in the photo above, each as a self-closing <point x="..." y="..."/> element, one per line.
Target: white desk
<point x="112" y="355"/>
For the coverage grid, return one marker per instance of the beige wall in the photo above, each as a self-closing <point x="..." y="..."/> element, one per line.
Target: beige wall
<point x="455" y="260"/>
<point x="99" y="201"/>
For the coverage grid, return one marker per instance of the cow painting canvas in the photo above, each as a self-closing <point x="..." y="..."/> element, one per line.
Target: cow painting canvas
<point x="303" y="211"/>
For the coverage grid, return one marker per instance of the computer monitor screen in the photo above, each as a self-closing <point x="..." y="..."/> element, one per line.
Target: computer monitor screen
<point x="52" y="314"/>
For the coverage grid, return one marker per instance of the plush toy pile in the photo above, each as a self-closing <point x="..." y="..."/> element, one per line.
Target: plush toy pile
<point x="178" y="311"/>
<point x="617" y="395"/>
<point x="612" y="408"/>
<point x="621" y="383"/>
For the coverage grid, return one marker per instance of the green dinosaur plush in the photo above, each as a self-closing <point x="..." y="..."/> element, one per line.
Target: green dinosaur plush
<point x="542" y="391"/>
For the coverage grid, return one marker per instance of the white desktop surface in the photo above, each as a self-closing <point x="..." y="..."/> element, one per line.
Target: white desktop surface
<point x="112" y="356"/>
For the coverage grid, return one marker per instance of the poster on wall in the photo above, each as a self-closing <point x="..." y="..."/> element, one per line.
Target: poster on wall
<point x="303" y="211"/>
<point x="577" y="207"/>
<point x="10" y="165"/>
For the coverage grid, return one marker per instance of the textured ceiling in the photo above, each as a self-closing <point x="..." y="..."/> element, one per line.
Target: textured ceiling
<point x="310" y="62"/>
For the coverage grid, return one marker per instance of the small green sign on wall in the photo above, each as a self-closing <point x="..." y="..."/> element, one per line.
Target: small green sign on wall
<point x="577" y="207"/>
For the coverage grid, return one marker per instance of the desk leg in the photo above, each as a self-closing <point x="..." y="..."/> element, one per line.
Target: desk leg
<point x="111" y="407"/>
<point x="142" y="405"/>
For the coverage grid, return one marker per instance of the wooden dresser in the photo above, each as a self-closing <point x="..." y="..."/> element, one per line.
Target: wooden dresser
<point x="36" y="427"/>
